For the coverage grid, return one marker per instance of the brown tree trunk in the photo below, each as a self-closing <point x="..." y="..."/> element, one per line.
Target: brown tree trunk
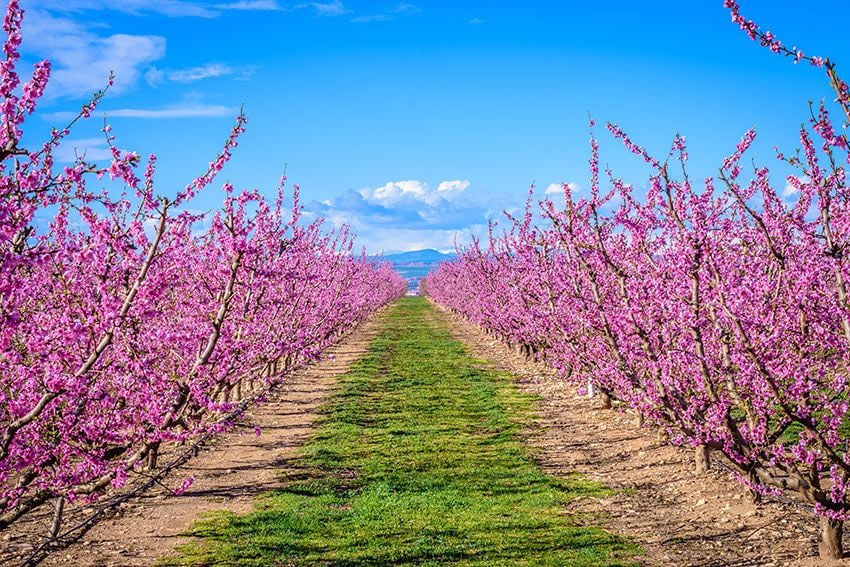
<point x="59" y="507"/>
<point x="829" y="546"/>
<point x="702" y="460"/>
<point x="753" y="496"/>
<point x="604" y="400"/>
<point x="640" y="420"/>
<point x="153" y="454"/>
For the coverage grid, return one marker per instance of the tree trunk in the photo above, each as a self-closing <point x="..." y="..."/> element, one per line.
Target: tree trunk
<point x="153" y="454"/>
<point x="753" y="496"/>
<point x="604" y="400"/>
<point x="702" y="460"/>
<point x="58" y="508"/>
<point x="640" y="420"/>
<point x="829" y="546"/>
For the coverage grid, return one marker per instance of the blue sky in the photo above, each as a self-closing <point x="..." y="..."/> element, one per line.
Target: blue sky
<point x="416" y="121"/>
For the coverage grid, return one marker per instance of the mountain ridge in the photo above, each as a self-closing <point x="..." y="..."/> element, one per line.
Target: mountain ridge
<point x="424" y="256"/>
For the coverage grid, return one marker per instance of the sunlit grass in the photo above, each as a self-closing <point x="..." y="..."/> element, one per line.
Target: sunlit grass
<point x="419" y="460"/>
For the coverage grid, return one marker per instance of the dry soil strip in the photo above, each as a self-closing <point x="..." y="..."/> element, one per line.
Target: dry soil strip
<point x="228" y="475"/>
<point x="678" y="517"/>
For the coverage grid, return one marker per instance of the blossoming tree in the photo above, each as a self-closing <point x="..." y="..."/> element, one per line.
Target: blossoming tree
<point x="123" y="326"/>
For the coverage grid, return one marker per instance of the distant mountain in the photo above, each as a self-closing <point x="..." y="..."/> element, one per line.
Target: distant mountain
<point x="429" y="256"/>
<point x="415" y="265"/>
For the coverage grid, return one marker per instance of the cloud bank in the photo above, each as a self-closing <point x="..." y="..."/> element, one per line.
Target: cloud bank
<point x="413" y="214"/>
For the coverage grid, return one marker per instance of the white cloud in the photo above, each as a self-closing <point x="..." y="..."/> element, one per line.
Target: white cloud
<point x="398" y="9"/>
<point x="83" y="57"/>
<point x="199" y="73"/>
<point x="171" y="8"/>
<point x="411" y="214"/>
<point x="155" y="76"/>
<point x="791" y="186"/>
<point x="85" y="69"/>
<point x="476" y="21"/>
<point x="372" y="18"/>
<point x="335" y="8"/>
<point x="402" y="8"/>
<point x="196" y="110"/>
<point x="558" y="188"/>
<point x="456" y="185"/>
<point x="269" y="5"/>
<point x="394" y="193"/>
<point x="188" y="111"/>
<point x="82" y="60"/>
<point x="93" y="149"/>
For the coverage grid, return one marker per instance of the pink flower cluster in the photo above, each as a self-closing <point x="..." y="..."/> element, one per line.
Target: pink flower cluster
<point x="125" y="326"/>
<point x="769" y="40"/>
<point x="724" y="322"/>
<point x="720" y="315"/>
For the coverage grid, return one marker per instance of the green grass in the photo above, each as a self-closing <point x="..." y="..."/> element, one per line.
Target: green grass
<point x="419" y="460"/>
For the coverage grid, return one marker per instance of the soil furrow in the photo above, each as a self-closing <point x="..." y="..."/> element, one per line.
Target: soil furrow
<point x="677" y="516"/>
<point x="227" y="475"/>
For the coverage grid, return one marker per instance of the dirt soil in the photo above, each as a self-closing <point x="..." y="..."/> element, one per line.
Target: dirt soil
<point x="227" y="475"/>
<point x="678" y="517"/>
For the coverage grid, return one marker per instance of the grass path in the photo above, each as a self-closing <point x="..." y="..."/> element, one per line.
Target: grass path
<point x="418" y="460"/>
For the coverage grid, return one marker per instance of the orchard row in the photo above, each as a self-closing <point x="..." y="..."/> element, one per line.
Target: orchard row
<point x="718" y="312"/>
<point x="130" y="323"/>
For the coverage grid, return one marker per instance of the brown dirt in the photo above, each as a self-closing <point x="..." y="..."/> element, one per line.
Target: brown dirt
<point x="677" y="516"/>
<point x="227" y="475"/>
